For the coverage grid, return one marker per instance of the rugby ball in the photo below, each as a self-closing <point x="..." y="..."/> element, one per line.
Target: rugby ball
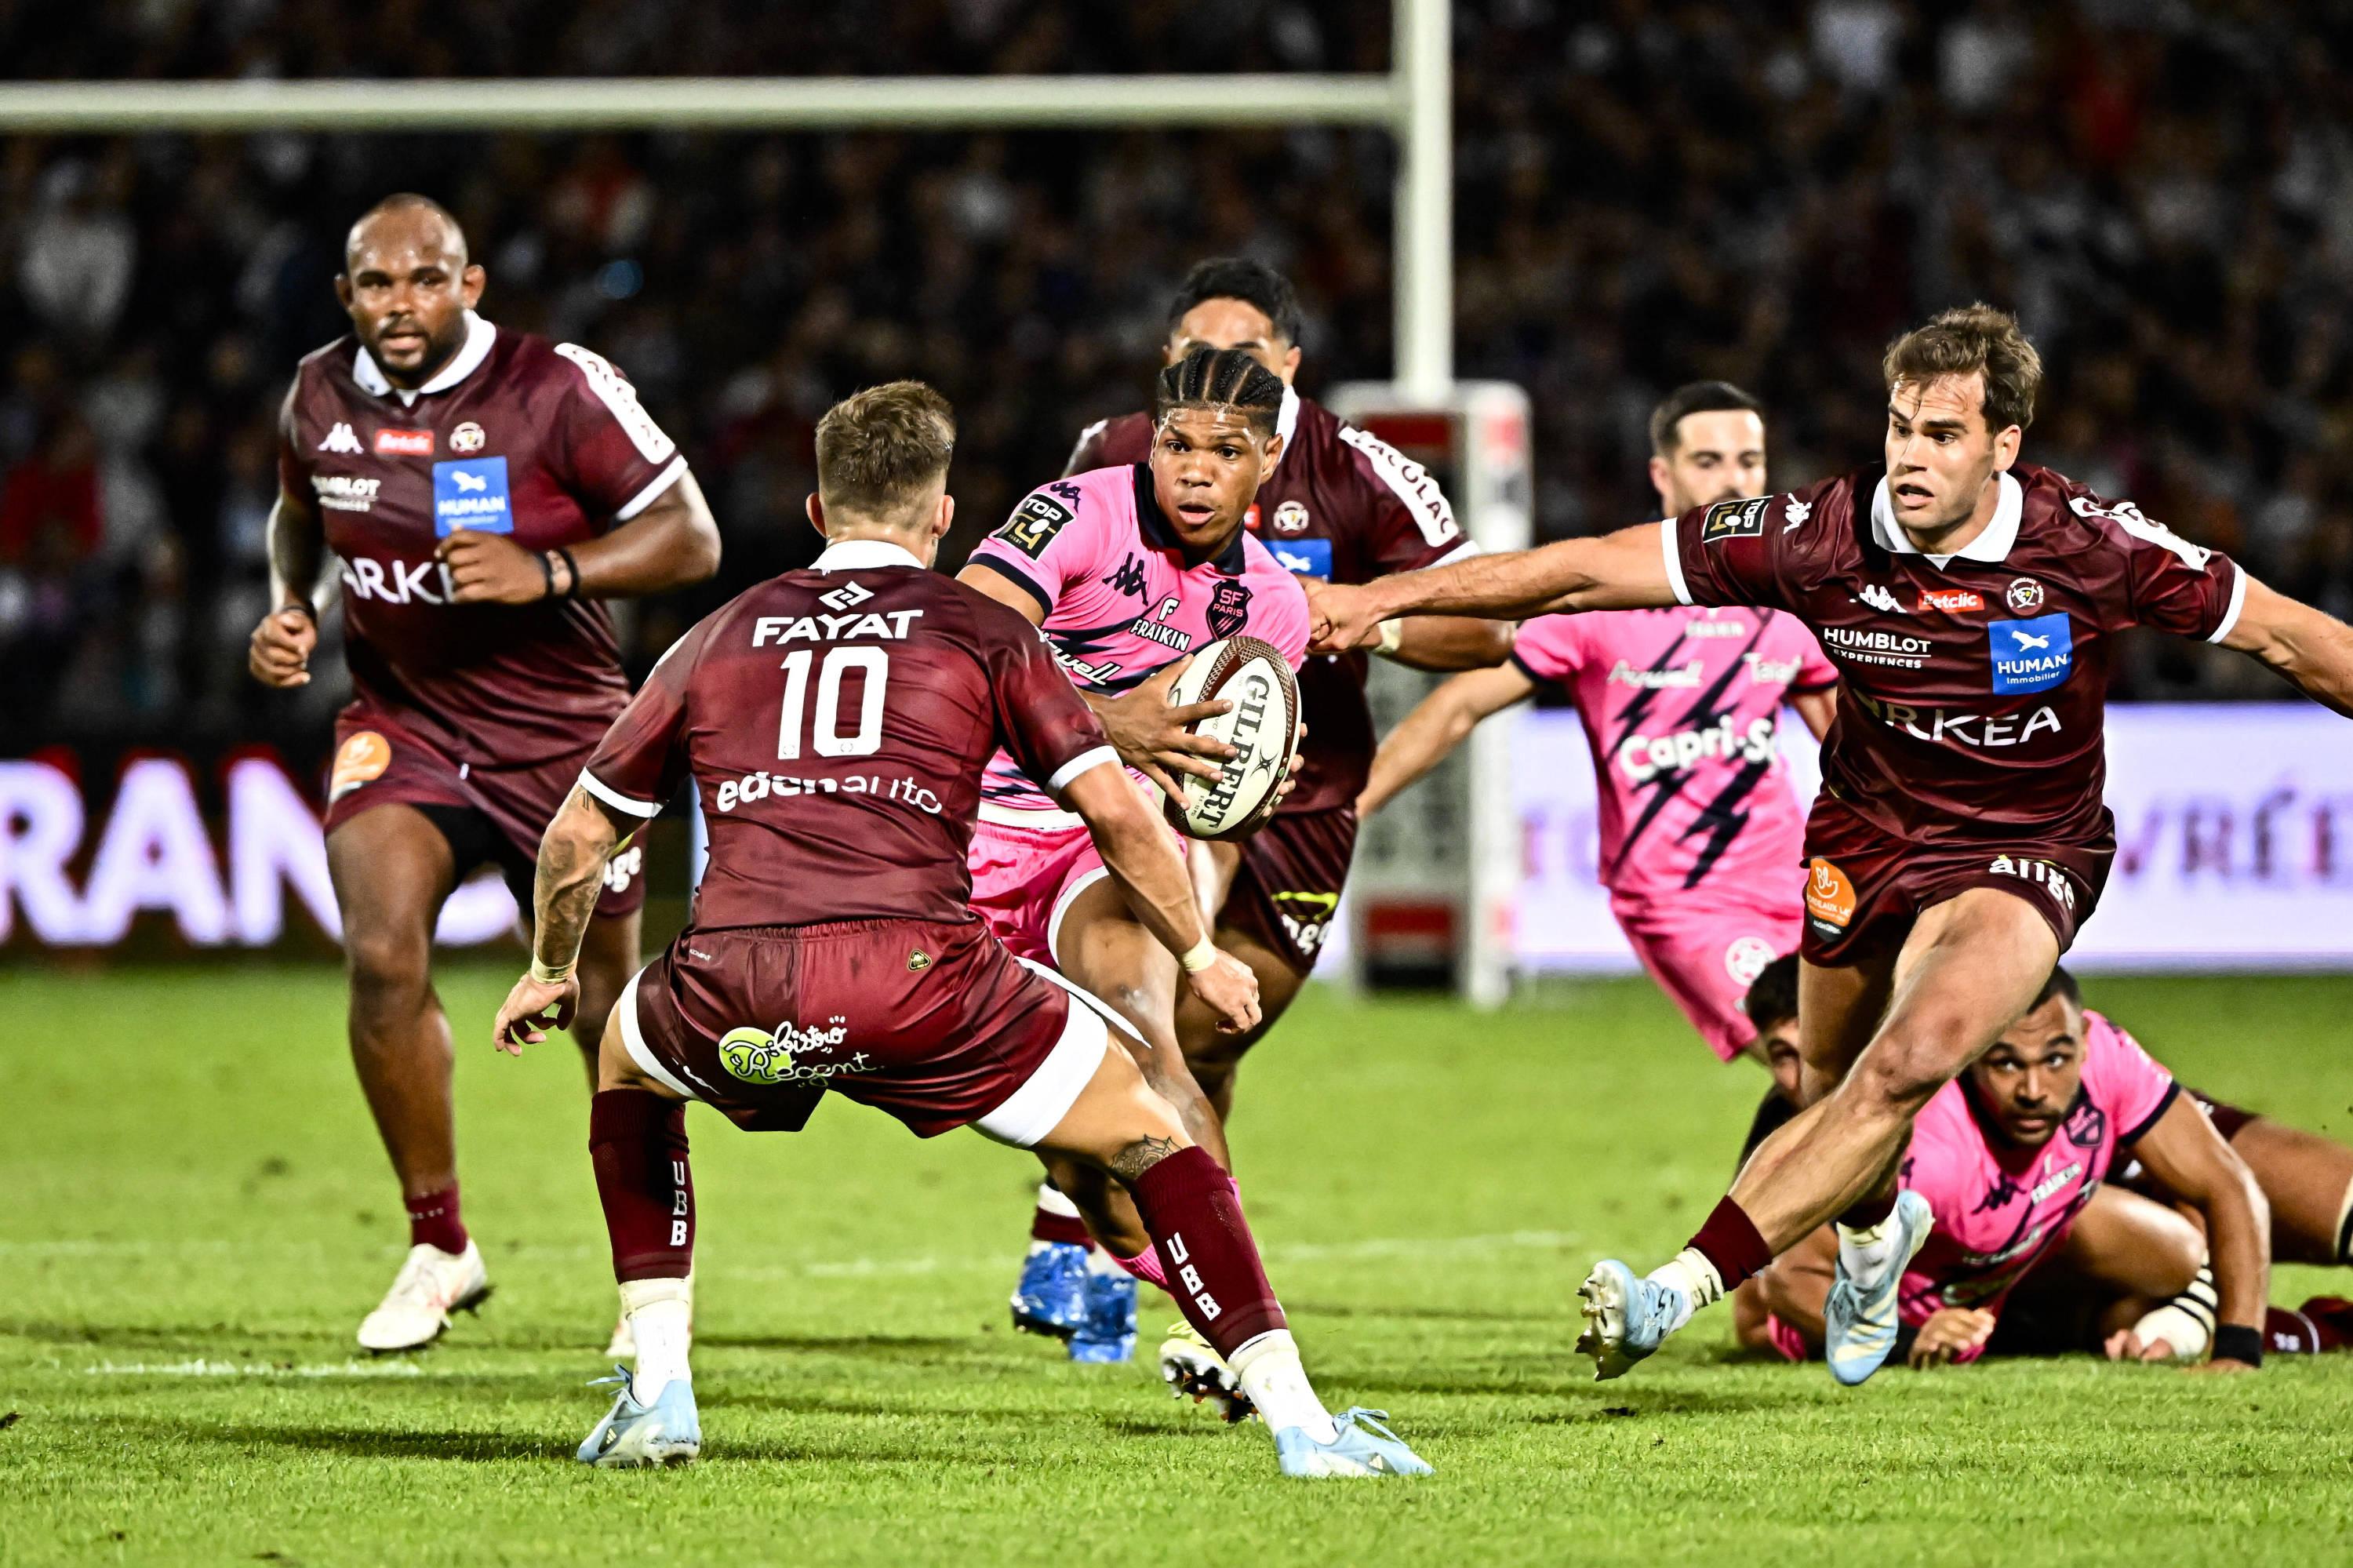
<point x="1249" y="674"/>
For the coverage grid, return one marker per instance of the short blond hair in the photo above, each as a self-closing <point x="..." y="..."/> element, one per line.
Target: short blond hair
<point x="1973" y="339"/>
<point x="880" y="450"/>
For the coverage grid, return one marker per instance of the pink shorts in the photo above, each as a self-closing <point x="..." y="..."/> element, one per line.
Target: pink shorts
<point x="1023" y="879"/>
<point x="1705" y="954"/>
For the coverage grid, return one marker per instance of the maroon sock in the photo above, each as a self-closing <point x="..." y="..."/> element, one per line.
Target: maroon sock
<point x="1730" y="1240"/>
<point x="638" y="1141"/>
<point x="433" y="1220"/>
<point x="1196" y="1220"/>
<point x="1046" y="1227"/>
<point x="2323" y="1323"/>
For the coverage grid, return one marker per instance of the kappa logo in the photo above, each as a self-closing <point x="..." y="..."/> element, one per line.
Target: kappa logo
<point x="1127" y="577"/>
<point x="1290" y="517"/>
<point x="466" y="438"/>
<point x="1878" y="596"/>
<point x="1798" y="512"/>
<point x="849" y="596"/>
<point x="340" y="439"/>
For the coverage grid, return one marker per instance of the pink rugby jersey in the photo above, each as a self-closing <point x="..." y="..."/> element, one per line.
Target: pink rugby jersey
<point x="2000" y="1208"/>
<point x="1095" y="553"/>
<point x="1679" y="708"/>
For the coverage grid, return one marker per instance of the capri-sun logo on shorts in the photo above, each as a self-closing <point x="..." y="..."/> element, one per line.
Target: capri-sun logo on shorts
<point x="2031" y="655"/>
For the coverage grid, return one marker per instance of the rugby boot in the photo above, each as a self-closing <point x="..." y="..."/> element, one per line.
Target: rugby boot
<point x="634" y="1436"/>
<point x="1626" y="1317"/>
<point x="1362" y="1446"/>
<point x="1109" y="1332"/>
<point x="1189" y="1364"/>
<point x="1052" y="1298"/>
<point x="432" y="1284"/>
<point x="1859" y="1320"/>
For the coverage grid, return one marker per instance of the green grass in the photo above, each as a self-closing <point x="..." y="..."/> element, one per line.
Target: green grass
<point x="189" y="1177"/>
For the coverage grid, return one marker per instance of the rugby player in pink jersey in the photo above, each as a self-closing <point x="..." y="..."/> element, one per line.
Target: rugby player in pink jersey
<point x="1971" y="604"/>
<point x="2124" y="1252"/>
<point x="1341" y="505"/>
<point x="833" y="723"/>
<point x="485" y="492"/>
<point x="1700" y="833"/>
<point x="1127" y="570"/>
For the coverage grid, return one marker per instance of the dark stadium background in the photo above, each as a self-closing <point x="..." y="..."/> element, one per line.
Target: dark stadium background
<point x="1644" y="194"/>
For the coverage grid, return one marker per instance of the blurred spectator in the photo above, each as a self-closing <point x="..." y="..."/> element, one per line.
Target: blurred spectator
<point x="1646" y="191"/>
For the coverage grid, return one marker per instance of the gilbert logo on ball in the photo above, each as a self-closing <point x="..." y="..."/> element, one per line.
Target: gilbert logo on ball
<point x="1251" y="674"/>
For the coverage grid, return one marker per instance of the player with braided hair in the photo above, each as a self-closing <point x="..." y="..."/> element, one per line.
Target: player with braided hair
<point x="1128" y="570"/>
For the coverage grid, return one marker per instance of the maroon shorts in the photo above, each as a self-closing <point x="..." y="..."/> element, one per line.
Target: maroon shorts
<point x="378" y="763"/>
<point x="1865" y="888"/>
<point x="934" y="1022"/>
<point x="1289" y="883"/>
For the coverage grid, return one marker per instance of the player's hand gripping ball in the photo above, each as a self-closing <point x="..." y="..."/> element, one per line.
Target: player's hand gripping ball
<point x="1262" y="727"/>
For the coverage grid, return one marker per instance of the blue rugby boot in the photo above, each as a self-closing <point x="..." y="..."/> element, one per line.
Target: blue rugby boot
<point x="640" y="1436"/>
<point x="1363" y="1446"/>
<point x="1860" y="1319"/>
<point x="1052" y="1298"/>
<point x="1109" y="1332"/>
<point x="1626" y="1317"/>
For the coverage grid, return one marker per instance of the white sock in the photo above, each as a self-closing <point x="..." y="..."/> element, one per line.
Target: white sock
<point x="1689" y="1271"/>
<point x="1868" y="1253"/>
<point x="1052" y="1200"/>
<point x="661" y="1320"/>
<point x="1269" y="1370"/>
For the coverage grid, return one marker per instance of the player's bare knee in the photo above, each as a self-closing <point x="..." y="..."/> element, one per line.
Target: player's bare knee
<point x="386" y="963"/>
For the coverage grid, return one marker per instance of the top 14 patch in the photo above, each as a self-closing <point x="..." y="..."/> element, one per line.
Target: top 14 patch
<point x="2031" y="655"/>
<point x="1034" y="524"/>
<point x="471" y="493"/>
<point x="1734" y="520"/>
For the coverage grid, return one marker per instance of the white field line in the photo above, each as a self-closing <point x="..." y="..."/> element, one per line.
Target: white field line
<point x="202" y="1367"/>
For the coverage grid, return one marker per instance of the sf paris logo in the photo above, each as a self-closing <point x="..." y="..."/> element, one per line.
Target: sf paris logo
<point x="1229" y="608"/>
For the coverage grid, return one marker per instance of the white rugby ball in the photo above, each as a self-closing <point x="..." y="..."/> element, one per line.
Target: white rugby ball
<point x="1249" y="673"/>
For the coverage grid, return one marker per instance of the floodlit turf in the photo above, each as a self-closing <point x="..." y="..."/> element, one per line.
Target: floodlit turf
<point x="196" y="1214"/>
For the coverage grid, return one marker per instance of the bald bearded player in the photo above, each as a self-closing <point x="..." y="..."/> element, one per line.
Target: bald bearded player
<point x="484" y="489"/>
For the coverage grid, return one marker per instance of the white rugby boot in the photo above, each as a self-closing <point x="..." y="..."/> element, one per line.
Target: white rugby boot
<point x="432" y="1284"/>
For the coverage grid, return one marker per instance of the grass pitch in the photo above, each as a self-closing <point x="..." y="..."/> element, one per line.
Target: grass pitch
<point x="196" y="1214"/>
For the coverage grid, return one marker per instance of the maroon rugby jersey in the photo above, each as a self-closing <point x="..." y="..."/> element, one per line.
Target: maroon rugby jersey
<point x="1972" y="686"/>
<point x="835" y="722"/>
<point x="545" y="442"/>
<point x="1341" y="505"/>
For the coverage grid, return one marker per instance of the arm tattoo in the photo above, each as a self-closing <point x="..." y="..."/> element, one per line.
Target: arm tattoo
<point x="1141" y="1156"/>
<point x="570" y="874"/>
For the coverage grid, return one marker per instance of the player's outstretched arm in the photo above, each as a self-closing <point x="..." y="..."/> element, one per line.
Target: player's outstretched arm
<point x="2313" y="648"/>
<point x="572" y="857"/>
<point x="279" y="651"/>
<point x="1625" y="570"/>
<point x="2185" y="1153"/>
<point x="674" y="542"/>
<point x="1438" y="724"/>
<point x="1444" y="643"/>
<point x="1136" y="850"/>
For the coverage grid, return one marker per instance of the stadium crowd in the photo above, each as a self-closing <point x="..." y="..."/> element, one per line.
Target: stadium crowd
<point x="1765" y="193"/>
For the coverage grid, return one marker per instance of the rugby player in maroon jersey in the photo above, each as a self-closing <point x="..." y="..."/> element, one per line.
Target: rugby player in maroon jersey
<point x="1971" y="603"/>
<point x="835" y="723"/>
<point x="484" y="489"/>
<point x="1340" y="505"/>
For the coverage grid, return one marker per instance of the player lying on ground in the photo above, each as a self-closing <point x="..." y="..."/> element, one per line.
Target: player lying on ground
<point x="1700" y="828"/>
<point x="1970" y="603"/>
<point x="2058" y="1270"/>
<point x="1339" y="505"/>
<point x="485" y="490"/>
<point x="1128" y="569"/>
<point x="835" y="723"/>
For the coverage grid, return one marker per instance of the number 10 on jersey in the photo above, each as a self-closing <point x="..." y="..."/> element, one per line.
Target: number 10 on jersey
<point x="826" y="738"/>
